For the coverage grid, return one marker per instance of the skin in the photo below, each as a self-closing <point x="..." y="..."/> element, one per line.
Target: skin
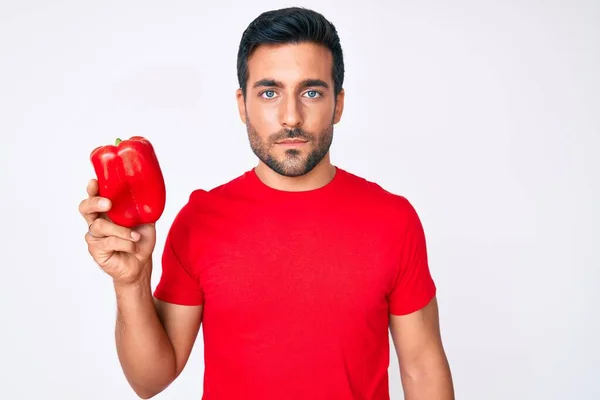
<point x="424" y="369"/>
<point x="154" y="339"/>
<point x="290" y="95"/>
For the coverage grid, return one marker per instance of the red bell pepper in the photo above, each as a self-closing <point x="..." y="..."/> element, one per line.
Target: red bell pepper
<point x="130" y="176"/>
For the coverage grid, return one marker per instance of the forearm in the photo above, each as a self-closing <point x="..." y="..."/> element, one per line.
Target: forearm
<point x="428" y="381"/>
<point x="144" y="349"/>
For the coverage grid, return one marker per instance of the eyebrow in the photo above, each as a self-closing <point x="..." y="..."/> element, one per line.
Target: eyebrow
<point x="279" y="84"/>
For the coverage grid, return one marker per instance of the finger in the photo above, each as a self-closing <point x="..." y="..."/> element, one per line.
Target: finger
<point x="113" y="243"/>
<point x="92" y="187"/>
<point x="102" y="227"/>
<point x="91" y="208"/>
<point x="104" y="248"/>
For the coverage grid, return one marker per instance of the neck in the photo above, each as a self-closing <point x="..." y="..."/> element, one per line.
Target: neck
<point x="320" y="176"/>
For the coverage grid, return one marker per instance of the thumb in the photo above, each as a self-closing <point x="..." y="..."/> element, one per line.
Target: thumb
<point x="147" y="239"/>
<point x="145" y="229"/>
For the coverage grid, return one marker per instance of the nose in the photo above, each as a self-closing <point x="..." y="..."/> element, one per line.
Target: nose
<point x="291" y="115"/>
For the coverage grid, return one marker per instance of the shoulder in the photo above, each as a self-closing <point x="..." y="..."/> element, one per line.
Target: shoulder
<point x="372" y="194"/>
<point x="228" y="190"/>
<point x="202" y="202"/>
<point x="391" y="213"/>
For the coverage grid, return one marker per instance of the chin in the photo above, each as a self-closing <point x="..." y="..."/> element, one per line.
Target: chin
<point x="289" y="166"/>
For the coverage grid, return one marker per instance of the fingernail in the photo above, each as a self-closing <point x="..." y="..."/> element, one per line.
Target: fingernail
<point x="104" y="203"/>
<point x="135" y="235"/>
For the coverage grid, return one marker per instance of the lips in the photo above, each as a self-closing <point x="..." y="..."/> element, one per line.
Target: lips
<point x="292" y="141"/>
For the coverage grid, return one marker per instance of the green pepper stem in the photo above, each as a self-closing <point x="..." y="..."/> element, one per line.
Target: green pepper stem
<point x="117" y="142"/>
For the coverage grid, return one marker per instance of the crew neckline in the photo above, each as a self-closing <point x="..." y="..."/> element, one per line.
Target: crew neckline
<point x="258" y="186"/>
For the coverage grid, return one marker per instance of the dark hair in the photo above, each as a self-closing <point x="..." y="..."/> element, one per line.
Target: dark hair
<point x="290" y="25"/>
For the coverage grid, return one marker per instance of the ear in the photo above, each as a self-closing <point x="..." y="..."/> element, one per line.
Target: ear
<point x="339" y="107"/>
<point x="241" y="105"/>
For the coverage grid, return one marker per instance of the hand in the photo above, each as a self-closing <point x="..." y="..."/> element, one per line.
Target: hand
<point x="124" y="254"/>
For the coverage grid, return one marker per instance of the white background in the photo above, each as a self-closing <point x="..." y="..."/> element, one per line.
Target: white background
<point x="486" y="115"/>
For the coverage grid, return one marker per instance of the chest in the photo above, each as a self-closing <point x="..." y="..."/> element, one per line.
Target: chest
<point x="307" y="264"/>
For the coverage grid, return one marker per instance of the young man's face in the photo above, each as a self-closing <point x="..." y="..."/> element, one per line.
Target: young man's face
<point x="290" y="107"/>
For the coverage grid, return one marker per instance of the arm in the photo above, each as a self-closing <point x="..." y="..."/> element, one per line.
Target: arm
<point x="154" y="339"/>
<point x="424" y="368"/>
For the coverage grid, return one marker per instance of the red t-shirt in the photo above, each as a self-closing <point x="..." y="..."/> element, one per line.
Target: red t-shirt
<point x="297" y="287"/>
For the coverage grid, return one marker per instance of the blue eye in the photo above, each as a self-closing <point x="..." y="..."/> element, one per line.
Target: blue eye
<point x="313" y="94"/>
<point x="269" y="94"/>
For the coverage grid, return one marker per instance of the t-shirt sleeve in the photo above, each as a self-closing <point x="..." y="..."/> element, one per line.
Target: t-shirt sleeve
<point x="414" y="287"/>
<point x="177" y="283"/>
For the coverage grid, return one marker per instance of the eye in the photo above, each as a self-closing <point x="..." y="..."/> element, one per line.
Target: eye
<point x="313" y="94"/>
<point x="268" y="94"/>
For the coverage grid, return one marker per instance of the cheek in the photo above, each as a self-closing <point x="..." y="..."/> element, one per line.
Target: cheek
<point x="317" y="111"/>
<point x="318" y="118"/>
<point x="262" y="115"/>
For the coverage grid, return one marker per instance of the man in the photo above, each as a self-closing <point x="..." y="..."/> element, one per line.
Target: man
<point x="297" y="269"/>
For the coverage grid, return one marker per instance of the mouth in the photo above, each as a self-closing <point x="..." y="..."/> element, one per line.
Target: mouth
<point x="292" y="142"/>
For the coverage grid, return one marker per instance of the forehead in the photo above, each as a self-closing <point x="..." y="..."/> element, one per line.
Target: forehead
<point x="290" y="62"/>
